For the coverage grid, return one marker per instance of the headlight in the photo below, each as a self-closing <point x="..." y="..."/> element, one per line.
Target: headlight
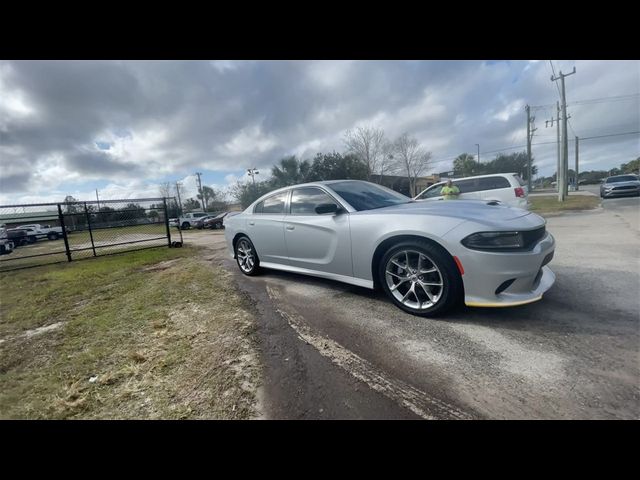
<point x="494" y="240"/>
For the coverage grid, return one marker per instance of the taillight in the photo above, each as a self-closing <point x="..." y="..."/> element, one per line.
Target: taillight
<point x="519" y="192"/>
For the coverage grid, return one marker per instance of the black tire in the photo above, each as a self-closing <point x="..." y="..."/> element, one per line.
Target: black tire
<point x="32" y="239"/>
<point x="243" y="241"/>
<point x="217" y="226"/>
<point x="52" y="236"/>
<point x="186" y="225"/>
<point x="452" y="290"/>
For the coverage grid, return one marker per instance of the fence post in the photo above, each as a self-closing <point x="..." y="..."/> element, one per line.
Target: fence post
<point x="64" y="232"/>
<point x="86" y="212"/>
<point x="166" y="221"/>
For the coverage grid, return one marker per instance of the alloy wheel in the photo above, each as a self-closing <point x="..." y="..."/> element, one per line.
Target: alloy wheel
<point x="414" y="279"/>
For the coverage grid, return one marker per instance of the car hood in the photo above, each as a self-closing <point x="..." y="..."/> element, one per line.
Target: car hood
<point x="474" y="210"/>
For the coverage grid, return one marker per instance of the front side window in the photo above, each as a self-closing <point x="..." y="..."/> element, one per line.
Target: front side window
<point x="305" y="200"/>
<point x="435" y="191"/>
<point x="274" y="204"/>
<point x="367" y="196"/>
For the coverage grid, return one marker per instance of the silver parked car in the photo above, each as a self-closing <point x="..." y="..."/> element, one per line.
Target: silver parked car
<point x="620" y="185"/>
<point x="427" y="256"/>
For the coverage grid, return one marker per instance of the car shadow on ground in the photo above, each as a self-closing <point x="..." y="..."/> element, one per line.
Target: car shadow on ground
<point x="565" y="308"/>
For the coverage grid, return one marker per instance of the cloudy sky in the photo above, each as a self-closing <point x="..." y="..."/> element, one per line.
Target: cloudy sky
<point x="69" y="127"/>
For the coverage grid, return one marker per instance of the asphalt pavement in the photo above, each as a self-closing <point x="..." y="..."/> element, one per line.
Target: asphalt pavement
<point x="332" y="350"/>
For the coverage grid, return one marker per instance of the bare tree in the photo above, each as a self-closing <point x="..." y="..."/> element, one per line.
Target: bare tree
<point x="387" y="163"/>
<point x="411" y="158"/>
<point x="367" y="143"/>
<point x="165" y="189"/>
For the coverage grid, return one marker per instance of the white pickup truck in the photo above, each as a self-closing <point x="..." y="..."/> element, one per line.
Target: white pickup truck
<point x="6" y="245"/>
<point x="187" y="220"/>
<point x="36" y="231"/>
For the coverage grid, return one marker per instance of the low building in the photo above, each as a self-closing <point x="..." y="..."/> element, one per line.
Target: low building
<point x="401" y="184"/>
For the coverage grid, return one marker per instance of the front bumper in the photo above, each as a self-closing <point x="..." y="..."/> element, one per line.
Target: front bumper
<point x="526" y="274"/>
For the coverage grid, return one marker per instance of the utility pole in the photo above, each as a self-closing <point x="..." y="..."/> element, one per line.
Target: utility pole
<point x="253" y="172"/>
<point x="565" y="139"/>
<point x="200" y="190"/>
<point x="530" y="131"/>
<point x="577" y="143"/>
<point x="478" y="145"/>
<point x="98" y="199"/>
<point x="178" y="185"/>
<point x="558" y="140"/>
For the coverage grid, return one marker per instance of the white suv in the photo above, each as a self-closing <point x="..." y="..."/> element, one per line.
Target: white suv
<point x="507" y="188"/>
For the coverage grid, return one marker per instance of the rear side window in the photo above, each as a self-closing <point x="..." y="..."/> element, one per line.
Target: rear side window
<point x="258" y="207"/>
<point x="274" y="204"/>
<point x="493" y="183"/>
<point x="467" y="186"/>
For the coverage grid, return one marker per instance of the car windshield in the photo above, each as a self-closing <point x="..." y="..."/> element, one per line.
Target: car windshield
<point x="367" y="196"/>
<point x="623" y="178"/>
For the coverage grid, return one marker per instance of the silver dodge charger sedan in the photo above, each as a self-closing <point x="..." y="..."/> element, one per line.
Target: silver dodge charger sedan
<point x="427" y="256"/>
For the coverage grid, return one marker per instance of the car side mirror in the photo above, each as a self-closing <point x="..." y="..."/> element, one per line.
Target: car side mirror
<point x="328" y="208"/>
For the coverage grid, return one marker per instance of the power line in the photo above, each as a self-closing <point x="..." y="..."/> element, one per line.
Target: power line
<point x="515" y="147"/>
<point x="605" y="99"/>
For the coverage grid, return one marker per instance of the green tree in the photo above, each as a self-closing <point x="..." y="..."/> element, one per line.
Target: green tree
<point x="290" y="171"/>
<point x="632" y="167"/>
<point x="209" y="195"/>
<point x="334" y="166"/>
<point x="512" y="162"/>
<point x="191" y="204"/>
<point x="247" y="193"/>
<point x="466" y="165"/>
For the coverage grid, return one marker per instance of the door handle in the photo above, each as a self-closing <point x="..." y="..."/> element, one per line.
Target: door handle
<point x="290" y="227"/>
<point x="252" y="223"/>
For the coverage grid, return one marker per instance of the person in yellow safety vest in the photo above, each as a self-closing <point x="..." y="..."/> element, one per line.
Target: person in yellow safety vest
<point x="450" y="191"/>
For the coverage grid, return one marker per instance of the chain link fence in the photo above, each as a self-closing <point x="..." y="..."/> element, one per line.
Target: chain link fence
<point x="48" y="233"/>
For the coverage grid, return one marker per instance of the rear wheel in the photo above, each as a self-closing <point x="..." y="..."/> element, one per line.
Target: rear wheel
<point x="420" y="278"/>
<point x="247" y="257"/>
<point x="52" y="236"/>
<point x="186" y="225"/>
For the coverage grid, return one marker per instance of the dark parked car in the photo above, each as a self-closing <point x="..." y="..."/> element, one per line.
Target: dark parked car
<point x="620" y="185"/>
<point x="216" y="222"/>
<point x="20" y="237"/>
<point x="200" y="223"/>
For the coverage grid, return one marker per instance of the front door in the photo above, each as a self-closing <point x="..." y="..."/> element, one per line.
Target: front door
<point x="314" y="241"/>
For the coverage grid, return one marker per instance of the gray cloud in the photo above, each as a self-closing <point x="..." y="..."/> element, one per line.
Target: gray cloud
<point x="181" y="115"/>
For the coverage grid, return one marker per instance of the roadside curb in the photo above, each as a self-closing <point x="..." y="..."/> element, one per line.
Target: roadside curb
<point x="598" y="209"/>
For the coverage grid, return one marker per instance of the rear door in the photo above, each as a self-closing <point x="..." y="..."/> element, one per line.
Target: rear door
<point x="468" y="189"/>
<point x="314" y="241"/>
<point x="266" y="228"/>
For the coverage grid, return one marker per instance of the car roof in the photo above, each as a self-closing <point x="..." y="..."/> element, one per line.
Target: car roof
<point x="501" y="174"/>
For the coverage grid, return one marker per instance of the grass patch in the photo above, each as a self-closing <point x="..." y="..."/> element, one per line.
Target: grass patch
<point x="151" y="334"/>
<point x="550" y="204"/>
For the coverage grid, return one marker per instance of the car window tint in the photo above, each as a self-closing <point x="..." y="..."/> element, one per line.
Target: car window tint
<point x="436" y="191"/>
<point x="305" y="200"/>
<point x="493" y="183"/>
<point x="467" y="186"/>
<point x="274" y="204"/>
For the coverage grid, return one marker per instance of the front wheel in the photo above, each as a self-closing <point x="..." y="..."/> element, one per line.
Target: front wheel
<point x="247" y="257"/>
<point x="186" y="225"/>
<point x="53" y="236"/>
<point x="420" y="278"/>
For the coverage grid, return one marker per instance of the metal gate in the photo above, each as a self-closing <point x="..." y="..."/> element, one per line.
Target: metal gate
<point x="49" y="233"/>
